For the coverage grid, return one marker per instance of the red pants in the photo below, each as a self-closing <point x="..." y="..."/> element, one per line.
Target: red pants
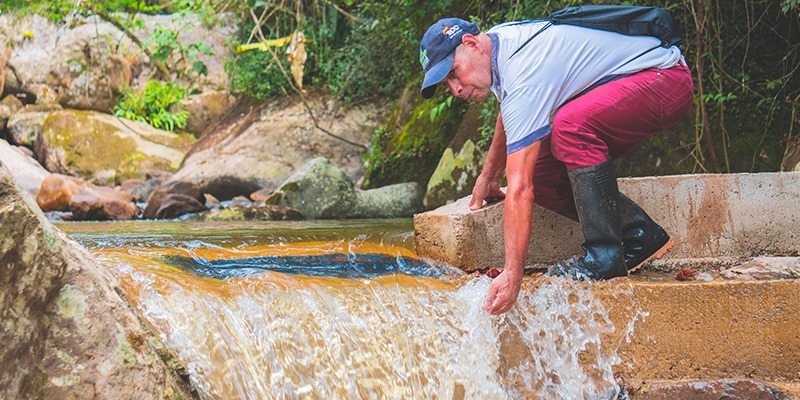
<point x="607" y="122"/>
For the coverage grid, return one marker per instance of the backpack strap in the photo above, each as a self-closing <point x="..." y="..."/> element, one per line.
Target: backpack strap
<point x="547" y="25"/>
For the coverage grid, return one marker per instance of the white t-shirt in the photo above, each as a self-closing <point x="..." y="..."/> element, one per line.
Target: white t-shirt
<point x="556" y="65"/>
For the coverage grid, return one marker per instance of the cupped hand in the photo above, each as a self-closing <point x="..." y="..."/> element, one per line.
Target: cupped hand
<point x="485" y="189"/>
<point x="503" y="292"/>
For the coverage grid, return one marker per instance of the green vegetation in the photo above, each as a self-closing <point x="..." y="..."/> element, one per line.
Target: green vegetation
<point x="158" y="104"/>
<point x="744" y="57"/>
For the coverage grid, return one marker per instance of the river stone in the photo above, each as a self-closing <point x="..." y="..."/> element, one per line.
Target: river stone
<point x="157" y="199"/>
<point x="257" y="213"/>
<point x="66" y="333"/>
<point x="319" y="190"/>
<point x="91" y="207"/>
<point x="8" y="106"/>
<point x="174" y="205"/>
<point x="83" y="143"/>
<point x="25" y="170"/>
<point x="392" y="201"/>
<point x="25" y="125"/>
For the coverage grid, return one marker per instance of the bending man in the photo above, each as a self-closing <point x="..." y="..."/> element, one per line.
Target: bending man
<point x="604" y="92"/>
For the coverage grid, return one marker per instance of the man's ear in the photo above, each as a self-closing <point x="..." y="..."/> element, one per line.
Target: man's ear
<point x="470" y="40"/>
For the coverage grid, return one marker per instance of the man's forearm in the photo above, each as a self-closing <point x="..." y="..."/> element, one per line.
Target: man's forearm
<point x="495" y="162"/>
<point x="518" y="213"/>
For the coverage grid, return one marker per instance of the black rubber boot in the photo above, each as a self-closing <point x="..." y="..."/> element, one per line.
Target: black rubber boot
<point x="597" y="205"/>
<point x="642" y="238"/>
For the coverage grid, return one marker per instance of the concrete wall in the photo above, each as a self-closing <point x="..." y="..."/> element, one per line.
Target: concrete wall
<point x="711" y="215"/>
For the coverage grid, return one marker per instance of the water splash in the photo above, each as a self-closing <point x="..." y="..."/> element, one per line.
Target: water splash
<point x="274" y="335"/>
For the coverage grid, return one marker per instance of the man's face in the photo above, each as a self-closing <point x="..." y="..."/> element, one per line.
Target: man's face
<point x="470" y="76"/>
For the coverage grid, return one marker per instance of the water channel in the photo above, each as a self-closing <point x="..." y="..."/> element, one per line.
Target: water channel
<point x="346" y="310"/>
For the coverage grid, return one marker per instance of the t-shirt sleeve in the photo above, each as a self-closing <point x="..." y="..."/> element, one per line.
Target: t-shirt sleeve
<point x="526" y="115"/>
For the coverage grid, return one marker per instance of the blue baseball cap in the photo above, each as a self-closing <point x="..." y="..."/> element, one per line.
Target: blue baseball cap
<point x="438" y="49"/>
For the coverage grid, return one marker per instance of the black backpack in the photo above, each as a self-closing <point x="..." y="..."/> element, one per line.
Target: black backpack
<point x="627" y="20"/>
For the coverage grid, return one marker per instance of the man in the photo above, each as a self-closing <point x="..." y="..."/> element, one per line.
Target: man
<point x="605" y="93"/>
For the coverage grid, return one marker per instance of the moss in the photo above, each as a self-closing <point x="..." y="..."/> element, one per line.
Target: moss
<point x="91" y="144"/>
<point x="408" y="147"/>
<point x="88" y="145"/>
<point x="71" y="302"/>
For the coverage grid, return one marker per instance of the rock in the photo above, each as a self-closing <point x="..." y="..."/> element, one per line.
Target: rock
<point x="408" y="146"/>
<point x="90" y="66"/>
<point x="261" y="146"/>
<point x="259" y="213"/>
<point x="765" y="268"/>
<point x="82" y="143"/>
<point x="392" y="201"/>
<point x="174" y="205"/>
<point x="129" y="185"/>
<point x="25" y="170"/>
<point x="58" y="192"/>
<point x="205" y="108"/>
<point x="8" y="107"/>
<point x="32" y="54"/>
<point x="57" y="189"/>
<point x="459" y="165"/>
<point x="261" y="195"/>
<point x="192" y="29"/>
<point x="26" y="124"/>
<point x="143" y="191"/>
<point x="91" y="207"/>
<point x="733" y="389"/>
<point x="319" y="190"/>
<point x="455" y="175"/>
<point x="154" y="202"/>
<point x="66" y="333"/>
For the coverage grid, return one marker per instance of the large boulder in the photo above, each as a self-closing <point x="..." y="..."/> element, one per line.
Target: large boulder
<point x="320" y="190"/>
<point x="205" y="108"/>
<point x="408" y="146"/>
<point x="260" y="147"/>
<point x="87" y="144"/>
<point x="25" y="170"/>
<point x="91" y="65"/>
<point x="66" y="333"/>
<point x="32" y="39"/>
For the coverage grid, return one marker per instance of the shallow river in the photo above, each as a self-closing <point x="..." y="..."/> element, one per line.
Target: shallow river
<point x="346" y="310"/>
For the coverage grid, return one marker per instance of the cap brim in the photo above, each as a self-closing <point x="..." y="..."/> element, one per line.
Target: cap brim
<point x="436" y="74"/>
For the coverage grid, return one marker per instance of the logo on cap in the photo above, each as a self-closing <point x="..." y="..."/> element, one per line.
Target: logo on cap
<point x="423" y="57"/>
<point x="451" y="31"/>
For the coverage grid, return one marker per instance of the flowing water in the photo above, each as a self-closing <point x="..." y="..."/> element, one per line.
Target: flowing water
<point x="346" y="310"/>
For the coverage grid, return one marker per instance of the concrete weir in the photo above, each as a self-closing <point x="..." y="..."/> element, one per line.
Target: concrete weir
<point x="725" y="326"/>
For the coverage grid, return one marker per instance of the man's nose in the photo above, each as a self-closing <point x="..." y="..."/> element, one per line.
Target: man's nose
<point x="454" y="86"/>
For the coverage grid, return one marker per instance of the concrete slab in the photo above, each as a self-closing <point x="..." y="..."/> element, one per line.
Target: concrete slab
<point x="734" y="216"/>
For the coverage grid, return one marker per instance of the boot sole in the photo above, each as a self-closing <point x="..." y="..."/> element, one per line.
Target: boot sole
<point x="658" y="254"/>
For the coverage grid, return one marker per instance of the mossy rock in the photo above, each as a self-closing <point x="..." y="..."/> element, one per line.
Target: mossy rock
<point x="408" y="147"/>
<point x="81" y="143"/>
